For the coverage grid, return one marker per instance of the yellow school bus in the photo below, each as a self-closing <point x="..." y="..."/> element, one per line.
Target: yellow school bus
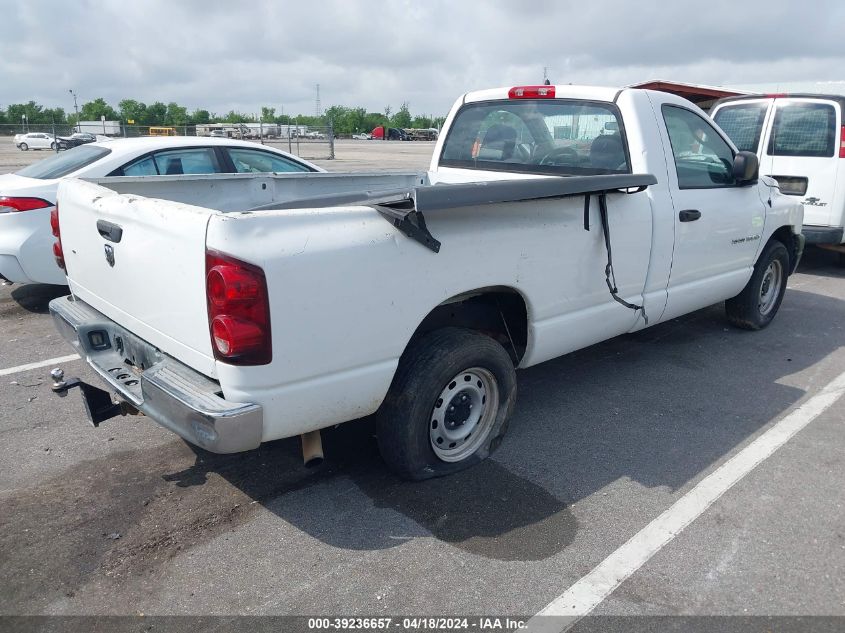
<point x="162" y="131"/>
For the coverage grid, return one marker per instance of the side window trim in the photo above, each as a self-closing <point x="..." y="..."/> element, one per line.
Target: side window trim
<point x="151" y="154"/>
<point x="712" y="126"/>
<point x="224" y="160"/>
<point x="227" y="165"/>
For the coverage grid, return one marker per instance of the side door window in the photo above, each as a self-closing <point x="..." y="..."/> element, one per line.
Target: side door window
<point x="173" y="162"/>
<point x="144" y="167"/>
<point x="187" y="161"/>
<point x="256" y="161"/>
<point x="703" y="159"/>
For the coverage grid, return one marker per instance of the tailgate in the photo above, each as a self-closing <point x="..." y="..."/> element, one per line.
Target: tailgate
<point x="152" y="282"/>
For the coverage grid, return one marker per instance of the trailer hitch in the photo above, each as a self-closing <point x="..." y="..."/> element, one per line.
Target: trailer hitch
<point x="98" y="402"/>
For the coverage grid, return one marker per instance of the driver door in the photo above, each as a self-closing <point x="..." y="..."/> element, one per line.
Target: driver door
<point x="718" y="222"/>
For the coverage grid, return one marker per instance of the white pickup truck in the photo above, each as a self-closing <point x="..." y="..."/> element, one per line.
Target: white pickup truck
<point x="235" y="310"/>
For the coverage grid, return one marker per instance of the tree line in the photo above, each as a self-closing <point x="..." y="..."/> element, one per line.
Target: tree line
<point x="345" y="120"/>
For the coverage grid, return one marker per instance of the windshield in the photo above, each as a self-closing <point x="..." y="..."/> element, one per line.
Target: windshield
<point x="64" y="163"/>
<point x="539" y="136"/>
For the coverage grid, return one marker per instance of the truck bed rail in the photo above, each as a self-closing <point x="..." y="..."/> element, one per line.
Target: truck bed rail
<point x="404" y="208"/>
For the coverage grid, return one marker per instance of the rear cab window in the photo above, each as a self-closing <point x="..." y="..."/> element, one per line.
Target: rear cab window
<point x="560" y="137"/>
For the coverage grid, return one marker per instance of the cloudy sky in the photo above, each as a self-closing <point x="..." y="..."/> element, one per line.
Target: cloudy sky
<point x="378" y="53"/>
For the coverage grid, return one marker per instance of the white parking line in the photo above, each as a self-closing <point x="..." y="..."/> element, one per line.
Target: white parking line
<point x="43" y="363"/>
<point x="582" y="597"/>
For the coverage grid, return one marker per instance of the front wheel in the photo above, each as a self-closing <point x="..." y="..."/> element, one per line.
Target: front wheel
<point x="23" y="147"/>
<point x="448" y="406"/>
<point x="756" y="306"/>
<point x="53" y="146"/>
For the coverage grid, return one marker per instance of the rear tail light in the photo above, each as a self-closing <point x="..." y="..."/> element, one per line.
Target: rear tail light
<point x="12" y="203"/>
<point x="58" y="253"/>
<point x="532" y="92"/>
<point x="238" y="310"/>
<point x="54" y="221"/>
<point x="842" y="142"/>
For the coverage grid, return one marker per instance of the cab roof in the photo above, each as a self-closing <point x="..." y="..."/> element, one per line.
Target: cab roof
<point x="564" y="91"/>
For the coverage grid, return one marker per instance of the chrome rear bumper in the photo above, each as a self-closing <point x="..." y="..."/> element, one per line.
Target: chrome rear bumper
<point x="171" y="393"/>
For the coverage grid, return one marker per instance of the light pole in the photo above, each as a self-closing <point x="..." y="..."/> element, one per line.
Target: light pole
<point x="75" y="107"/>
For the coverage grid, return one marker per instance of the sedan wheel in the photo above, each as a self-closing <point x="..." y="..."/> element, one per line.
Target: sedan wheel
<point x="24" y="147"/>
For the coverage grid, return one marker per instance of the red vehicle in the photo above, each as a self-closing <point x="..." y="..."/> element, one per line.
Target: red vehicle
<point x="393" y="134"/>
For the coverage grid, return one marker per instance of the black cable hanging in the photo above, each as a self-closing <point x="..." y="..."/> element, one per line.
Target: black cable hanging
<point x="609" y="273"/>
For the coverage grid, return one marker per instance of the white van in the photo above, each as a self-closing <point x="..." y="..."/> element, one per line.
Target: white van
<point x="800" y="140"/>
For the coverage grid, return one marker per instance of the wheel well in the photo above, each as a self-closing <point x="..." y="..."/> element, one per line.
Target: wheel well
<point x="785" y="236"/>
<point x="498" y="312"/>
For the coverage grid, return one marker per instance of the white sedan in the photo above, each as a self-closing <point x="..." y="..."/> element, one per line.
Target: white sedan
<point x="38" y="140"/>
<point x="28" y="196"/>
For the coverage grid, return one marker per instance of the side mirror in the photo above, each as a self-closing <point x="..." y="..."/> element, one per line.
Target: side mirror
<point x="746" y="168"/>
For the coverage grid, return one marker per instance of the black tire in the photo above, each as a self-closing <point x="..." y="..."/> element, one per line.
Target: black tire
<point x="429" y="367"/>
<point x="23" y="147"/>
<point x="754" y="308"/>
<point x="53" y="146"/>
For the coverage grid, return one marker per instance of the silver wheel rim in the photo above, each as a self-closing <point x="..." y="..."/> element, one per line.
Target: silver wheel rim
<point x="770" y="287"/>
<point x="463" y="414"/>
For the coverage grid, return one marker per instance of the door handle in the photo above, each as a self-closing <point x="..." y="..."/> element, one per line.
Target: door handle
<point x="109" y="230"/>
<point x="689" y="215"/>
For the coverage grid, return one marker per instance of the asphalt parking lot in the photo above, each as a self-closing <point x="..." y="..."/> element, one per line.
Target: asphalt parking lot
<point x="128" y="519"/>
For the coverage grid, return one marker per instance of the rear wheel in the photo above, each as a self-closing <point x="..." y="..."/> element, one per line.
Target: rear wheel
<point x="53" y="146"/>
<point x="24" y="147"/>
<point x="448" y="406"/>
<point x="756" y="306"/>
